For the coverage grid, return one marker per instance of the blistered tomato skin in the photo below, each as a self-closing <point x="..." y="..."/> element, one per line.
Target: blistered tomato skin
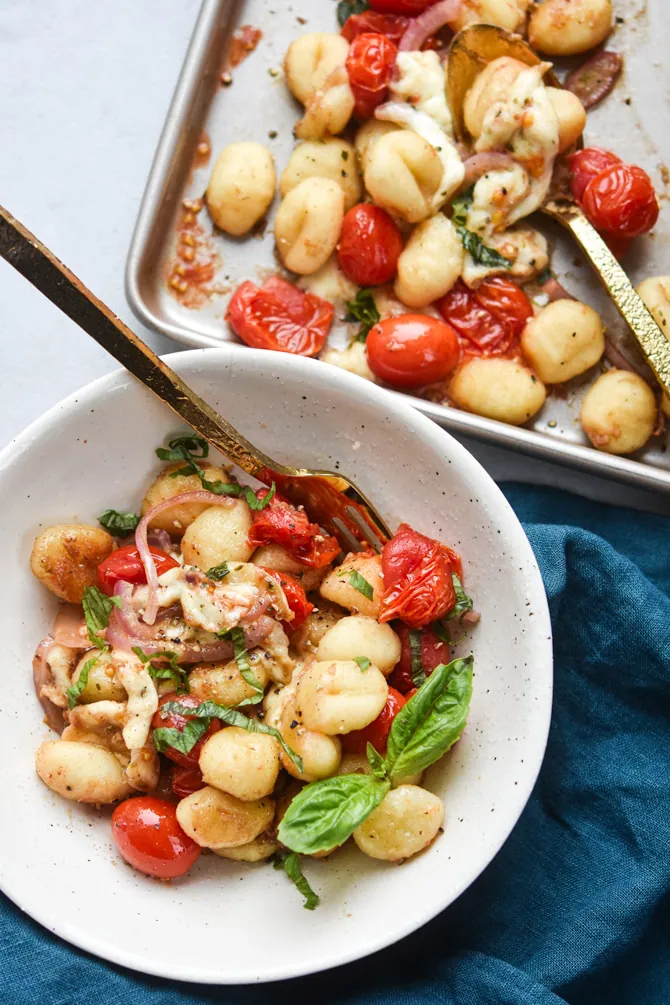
<point x="489" y="319"/>
<point x="280" y="316"/>
<point x="370" y="245"/>
<point x="149" y="837"/>
<point x="412" y="350"/>
<point x="393" y="26"/>
<point x="185" y="781"/>
<point x="621" y="201"/>
<point x="585" y="165"/>
<point x="369" y="64"/>
<point x="418" y="583"/>
<point x="172" y="720"/>
<point x="433" y="652"/>
<point x="125" y="564"/>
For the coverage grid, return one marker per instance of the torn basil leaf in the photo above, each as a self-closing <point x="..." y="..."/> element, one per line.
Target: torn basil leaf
<point x="75" y="691"/>
<point x="363" y="662"/>
<point x="325" y="814"/>
<point x="291" y="866"/>
<point x="416" y="660"/>
<point x="361" y="584"/>
<point x="364" y="310"/>
<point x="236" y="636"/>
<point x="482" y="254"/>
<point x="183" y="740"/>
<point x="218" y="572"/>
<point x="463" y="604"/>
<point x="170" y="672"/>
<point x="119" y="524"/>
<point x="97" y="609"/>
<point x="184" y="448"/>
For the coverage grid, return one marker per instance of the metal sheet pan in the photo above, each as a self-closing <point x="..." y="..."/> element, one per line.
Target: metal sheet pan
<point x="634" y="121"/>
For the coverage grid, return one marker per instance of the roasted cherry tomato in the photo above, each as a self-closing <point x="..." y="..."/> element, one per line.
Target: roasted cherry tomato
<point x="410" y="8"/>
<point x="621" y="200"/>
<point x="418" y="585"/>
<point x="369" y="64"/>
<point x="433" y="652"/>
<point x="412" y="350"/>
<point x="282" y="523"/>
<point x="125" y="564"/>
<point x="391" y="25"/>
<point x="586" y="164"/>
<point x="378" y="730"/>
<point x="370" y="245"/>
<point x="172" y="720"/>
<point x="186" y="781"/>
<point x="295" y="597"/>
<point x="148" y="835"/>
<point x="280" y="316"/>
<point x="489" y="319"/>
<point x="619" y="246"/>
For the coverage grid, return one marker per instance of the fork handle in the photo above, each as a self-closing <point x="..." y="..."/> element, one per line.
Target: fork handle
<point x="41" y="268"/>
<point x="632" y="308"/>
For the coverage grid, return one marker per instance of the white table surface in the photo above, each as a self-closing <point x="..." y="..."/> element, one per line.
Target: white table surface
<point x="84" y="88"/>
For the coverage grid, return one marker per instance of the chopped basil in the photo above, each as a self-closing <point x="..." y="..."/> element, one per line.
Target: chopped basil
<point x="183" y="740"/>
<point x="218" y="572"/>
<point x="544" y="276"/>
<point x="364" y="310"/>
<point x="472" y="242"/>
<point x="183" y="448"/>
<point x="73" y="693"/>
<point x="460" y="208"/>
<point x="416" y="662"/>
<point x="170" y="672"/>
<point x="291" y="866"/>
<point x="376" y="762"/>
<point x="346" y="8"/>
<point x="119" y="524"/>
<point x="361" y="584"/>
<point x="325" y="814"/>
<point x="363" y="662"/>
<point x="463" y="601"/>
<point x="236" y="636"/>
<point x="254" y="502"/>
<point x="193" y="448"/>
<point x="97" y="609"/>
<point x="210" y="709"/>
<point x="432" y="720"/>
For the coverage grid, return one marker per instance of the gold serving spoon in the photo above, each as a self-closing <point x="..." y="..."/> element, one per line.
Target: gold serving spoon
<point x="471" y="50"/>
<point x="330" y="499"/>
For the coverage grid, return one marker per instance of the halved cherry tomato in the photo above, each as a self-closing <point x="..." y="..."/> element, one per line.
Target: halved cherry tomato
<point x="282" y="523"/>
<point x="295" y="597"/>
<point x="621" y="200"/>
<point x="125" y="564"/>
<point x="370" y="245"/>
<point x="280" y="316"/>
<point x="148" y="835"/>
<point x="489" y="319"/>
<point x="412" y="350"/>
<point x="417" y="570"/>
<point x="391" y="25"/>
<point x="171" y="720"/>
<point x="433" y="652"/>
<point x="186" y="781"/>
<point x="369" y="64"/>
<point x="585" y="165"/>
<point x="378" y="730"/>
<point x="408" y="7"/>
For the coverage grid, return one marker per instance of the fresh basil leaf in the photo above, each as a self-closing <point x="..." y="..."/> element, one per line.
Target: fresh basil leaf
<point x="236" y="635"/>
<point x="481" y="252"/>
<point x="254" y="502"/>
<point x="291" y="866"/>
<point x="346" y="8"/>
<point x="463" y="604"/>
<point x="430" y="723"/>
<point x="210" y="709"/>
<point x="364" y="310"/>
<point x="361" y="584"/>
<point x="363" y="662"/>
<point x="376" y="762"/>
<point x="183" y="740"/>
<point x="73" y="693"/>
<point x="218" y="572"/>
<point x="461" y="208"/>
<point x="170" y="672"/>
<point x="416" y="661"/>
<point x="324" y="814"/>
<point x="182" y="448"/>
<point x="119" y="524"/>
<point x="97" y="609"/>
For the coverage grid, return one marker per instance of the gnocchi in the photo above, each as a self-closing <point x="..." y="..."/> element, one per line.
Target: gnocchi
<point x="330" y="158"/>
<point x="360" y="636"/>
<point x="407" y="821"/>
<point x="215" y="819"/>
<point x="569" y="27"/>
<point x="501" y="389"/>
<point x="655" y="293"/>
<point x="403" y="174"/>
<point x="367" y="136"/>
<point x="509" y="14"/>
<point x="315" y="73"/>
<point x="258" y="850"/>
<point x="241" y="187"/>
<point x="308" y="224"/>
<point x="565" y="339"/>
<point x="430" y="263"/>
<point x="168" y="485"/>
<point x="82" y="772"/>
<point x="619" y="412"/>
<point x="320" y="754"/>
<point x="245" y="765"/>
<point x="102" y="683"/>
<point x="571" y="116"/>
<point x="337" y="696"/>
<point x="338" y="587"/>
<point x="353" y="358"/>
<point x="491" y="87"/>
<point x="65" y="558"/>
<point x="217" y="534"/>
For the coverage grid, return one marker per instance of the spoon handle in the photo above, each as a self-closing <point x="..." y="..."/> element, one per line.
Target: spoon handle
<point x="652" y="340"/>
<point x="41" y="268"/>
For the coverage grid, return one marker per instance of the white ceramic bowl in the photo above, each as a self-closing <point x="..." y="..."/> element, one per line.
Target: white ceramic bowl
<point x="240" y="923"/>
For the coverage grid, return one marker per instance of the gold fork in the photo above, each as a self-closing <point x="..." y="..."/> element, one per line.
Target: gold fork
<point x="330" y="499"/>
<point x="471" y="49"/>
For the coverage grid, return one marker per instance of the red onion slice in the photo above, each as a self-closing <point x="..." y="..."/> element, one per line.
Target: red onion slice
<point x="41" y="677"/>
<point x="595" y="78"/>
<point x="69" y="628"/>
<point x="433" y="18"/>
<point x="158" y="538"/>
<point x="555" y="291"/>
<point x="198" y="496"/>
<point x="481" y="164"/>
<point x="614" y="355"/>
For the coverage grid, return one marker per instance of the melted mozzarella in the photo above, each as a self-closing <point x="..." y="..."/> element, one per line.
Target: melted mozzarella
<point x="494" y="197"/>
<point x="142" y="699"/>
<point x="524" y="247"/>
<point x="422" y="83"/>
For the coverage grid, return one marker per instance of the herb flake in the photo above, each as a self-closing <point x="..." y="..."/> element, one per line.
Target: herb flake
<point x="97" y="609"/>
<point x="74" y="693"/>
<point x="363" y="662"/>
<point x="416" y="660"/>
<point x="364" y="310"/>
<point x="291" y="865"/>
<point x="119" y="524"/>
<point x="361" y="584"/>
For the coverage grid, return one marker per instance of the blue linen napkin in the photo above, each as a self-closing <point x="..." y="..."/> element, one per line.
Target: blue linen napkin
<point x="576" y="907"/>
